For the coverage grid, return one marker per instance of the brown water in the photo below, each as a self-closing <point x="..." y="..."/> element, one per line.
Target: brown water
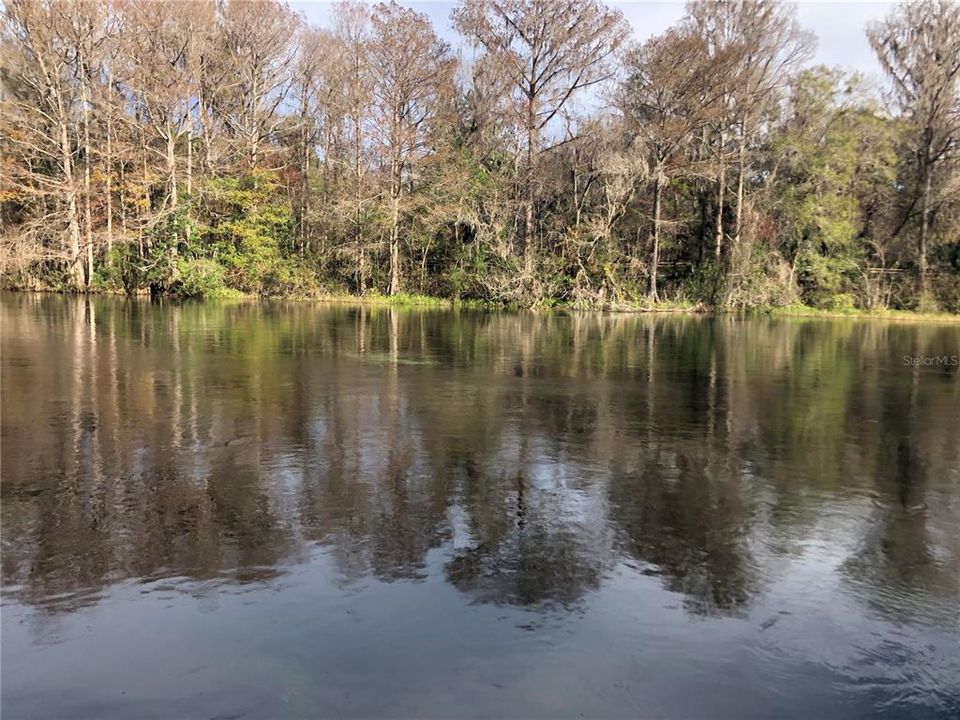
<point x="294" y="510"/>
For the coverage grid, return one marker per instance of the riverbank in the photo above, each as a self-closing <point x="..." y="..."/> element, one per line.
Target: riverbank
<point x="804" y="311"/>
<point x="550" y="305"/>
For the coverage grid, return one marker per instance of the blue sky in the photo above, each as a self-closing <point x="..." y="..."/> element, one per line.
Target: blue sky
<point x="839" y="26"/>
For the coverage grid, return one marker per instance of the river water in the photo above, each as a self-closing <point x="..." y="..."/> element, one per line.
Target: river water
<point x="268" y="510"/>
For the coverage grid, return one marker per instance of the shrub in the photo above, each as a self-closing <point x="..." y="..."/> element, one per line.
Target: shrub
<point x="199" y="277"/>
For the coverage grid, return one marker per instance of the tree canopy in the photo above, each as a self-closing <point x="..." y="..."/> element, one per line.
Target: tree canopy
<point x="195" y="147"/>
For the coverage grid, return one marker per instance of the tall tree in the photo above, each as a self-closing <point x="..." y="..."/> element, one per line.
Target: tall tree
<point x="918" y="46"/>
<point x="308" y="88"/>
<point x="42" y="110"/>
<point x="160" y="40"/>
<point x="669" y="81"/>
<point x="550" y="51"/>
<point x="257" y="39"/>
<point x="352" y="32"/>
<point x="828" y="160"/>
<point x="412" y="71"/>
<point x="756" y="43"/>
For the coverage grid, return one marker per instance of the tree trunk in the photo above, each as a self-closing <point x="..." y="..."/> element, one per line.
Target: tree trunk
<point x="205" y="130"/>
<point x="109" y="174"/>
<point x="172" y="164"/>
<point x="924" y="231"/>
<point x="741" y="166"/>
<point x="395" y="248"/>
<point x="304" y="174"/>
<point x="146" y="191"/>
<point x="655" y="254"/>
<point x="529" y="193"/>
<point x="718" y="220"/>
<point x="358" y="209"/>
<point x="87" y="212"/>
<point x="190" y="155"/>
<point x="396" y="188"/>
<point x="73" y="220"/>
<point x="123" y="197"/>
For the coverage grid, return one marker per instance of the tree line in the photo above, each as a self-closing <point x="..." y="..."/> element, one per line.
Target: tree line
<point x="204" y="147"/>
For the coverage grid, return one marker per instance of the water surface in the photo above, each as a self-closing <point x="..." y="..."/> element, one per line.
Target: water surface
<point x="294" y="510"/>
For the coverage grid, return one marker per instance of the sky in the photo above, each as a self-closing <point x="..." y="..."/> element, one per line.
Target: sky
<point x="839" y="26"/>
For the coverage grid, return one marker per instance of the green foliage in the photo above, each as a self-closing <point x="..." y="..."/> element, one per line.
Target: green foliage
<point x="239" y="243"/>
<point x="822" y="154"/>
<point x="704" y="283"/>
<point x="840" y="302"/>
<point x="111" y="272"/>
<point x="927" y="303"/>
<point x="249" y="231"/>
<point x="153" y="261"/>
<point x="200" y="277"/>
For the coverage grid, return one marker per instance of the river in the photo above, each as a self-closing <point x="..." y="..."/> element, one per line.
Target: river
<point x="253" y="510"/>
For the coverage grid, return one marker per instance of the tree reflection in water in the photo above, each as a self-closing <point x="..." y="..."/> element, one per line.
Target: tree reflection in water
<point x="540" y="454"/>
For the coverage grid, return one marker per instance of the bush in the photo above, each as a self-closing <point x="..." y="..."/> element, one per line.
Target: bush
<point x="840" y="302"/>
<point x="199" y="277"/>
<point x="250" y="231"/>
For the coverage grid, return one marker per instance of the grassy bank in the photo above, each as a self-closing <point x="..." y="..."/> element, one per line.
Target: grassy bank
<point x="664" y="306"/>
<point x="856" y="313"/>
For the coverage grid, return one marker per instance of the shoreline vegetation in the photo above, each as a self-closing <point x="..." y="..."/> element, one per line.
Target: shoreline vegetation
<point x="192" y="148"/>
<point x="428" y="301"/>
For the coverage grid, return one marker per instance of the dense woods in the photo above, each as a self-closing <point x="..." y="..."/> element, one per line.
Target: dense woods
<point x="202" y="148"/>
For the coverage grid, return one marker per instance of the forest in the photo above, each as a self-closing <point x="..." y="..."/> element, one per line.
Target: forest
<point x="226" y="147"/>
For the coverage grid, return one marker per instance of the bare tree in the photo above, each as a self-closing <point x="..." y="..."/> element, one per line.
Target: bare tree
<point x="352" y="32"/>
<point x="670" y="80"/>
<point x="755" y="45"/>
<point x="257" y="39"/>
<point x="160" y="39"/>
<point x="43" y="114"/>
<point x="308" y="88"/>
<point x="412" y="70"/>
<point x="550" y="50"/>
